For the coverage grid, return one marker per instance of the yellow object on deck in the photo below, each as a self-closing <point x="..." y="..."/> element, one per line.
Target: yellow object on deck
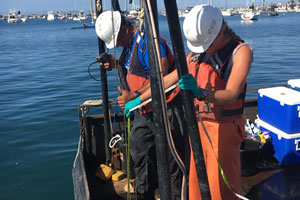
<point x="104" y="172"/>
<point x="262" y="138"/>
<point x="118" y="175"/>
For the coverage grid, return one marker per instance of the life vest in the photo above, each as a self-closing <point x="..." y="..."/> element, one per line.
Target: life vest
<point x="137" y="77"/>
<point x="212" y="73"/>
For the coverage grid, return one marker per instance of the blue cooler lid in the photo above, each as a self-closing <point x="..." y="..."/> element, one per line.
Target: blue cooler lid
<point x="282" y="94"/>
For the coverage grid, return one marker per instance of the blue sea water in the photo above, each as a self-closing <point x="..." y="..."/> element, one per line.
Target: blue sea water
<point x="44" y="77"/>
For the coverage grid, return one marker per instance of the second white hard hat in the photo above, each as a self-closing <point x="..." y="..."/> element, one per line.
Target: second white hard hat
<point x="108" y="26"/>
<point x="201" y="26"/>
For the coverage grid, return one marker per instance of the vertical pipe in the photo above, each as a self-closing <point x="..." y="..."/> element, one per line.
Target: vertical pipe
<point x="92" y="10"/>
<point x="181" y="65"/>
<point x="158" y="107"/>
<point x="107" y="130"/>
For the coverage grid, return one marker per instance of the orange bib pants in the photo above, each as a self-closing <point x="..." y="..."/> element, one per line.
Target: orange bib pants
<point x="226" y="138"/>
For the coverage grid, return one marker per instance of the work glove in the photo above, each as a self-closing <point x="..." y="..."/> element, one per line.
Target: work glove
<point x="188" y="82"/>
<point x="131" y="104"/>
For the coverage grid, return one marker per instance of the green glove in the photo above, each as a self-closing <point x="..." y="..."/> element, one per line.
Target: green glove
<point x="188" y="82"/>
<point x="131" y="104"/>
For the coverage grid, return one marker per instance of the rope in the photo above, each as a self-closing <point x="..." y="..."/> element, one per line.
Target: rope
<point x="128" y="160"/>
<point x="98" y="5"/>
<point x="114" y="140"/>
<point x="140" y="17"/>
<point x="219" y="164"/>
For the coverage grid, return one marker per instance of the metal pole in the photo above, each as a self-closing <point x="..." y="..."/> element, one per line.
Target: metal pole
<point x="158" y="107"/>
<point x="181" y="65"/>
<point x="107" y="130"/>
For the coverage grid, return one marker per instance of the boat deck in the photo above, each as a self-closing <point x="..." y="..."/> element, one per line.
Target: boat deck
<point x="279" y="183"/>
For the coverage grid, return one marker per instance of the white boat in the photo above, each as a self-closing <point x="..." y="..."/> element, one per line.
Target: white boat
<point x="76" y="18"/>
<point x="249" y="15"/>
<point x="24" y="18"/>
<point x="82" y="15"/>
<point x="12" y="17"/>
<point x="227" y="13"/>
<point x="51" y="16"/>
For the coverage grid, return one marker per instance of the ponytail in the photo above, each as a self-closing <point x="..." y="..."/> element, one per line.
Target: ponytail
<point x="228" y="32"/>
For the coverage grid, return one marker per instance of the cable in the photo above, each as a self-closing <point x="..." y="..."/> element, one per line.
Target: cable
<point x="168" y="130"/>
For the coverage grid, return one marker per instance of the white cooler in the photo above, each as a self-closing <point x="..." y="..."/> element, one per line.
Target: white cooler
<point x="294" y="84"/>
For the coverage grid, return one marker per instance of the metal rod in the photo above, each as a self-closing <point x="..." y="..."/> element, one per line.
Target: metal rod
<point x="158" y="105"/>
<point x="181" y="65"/>
<point x="107" y="130"/>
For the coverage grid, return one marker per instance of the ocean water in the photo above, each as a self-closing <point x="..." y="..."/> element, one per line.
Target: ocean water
<point x="44" y="76"/>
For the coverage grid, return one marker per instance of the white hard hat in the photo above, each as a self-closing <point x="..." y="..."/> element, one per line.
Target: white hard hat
<point x="201" y="26"/>
<point x="108" y="26"/>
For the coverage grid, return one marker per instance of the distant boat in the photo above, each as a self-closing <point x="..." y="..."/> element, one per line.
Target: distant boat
<point x="12" y="17"/>
<point x="82" y="15"/>
<point x="50" y="16"/>
<point x="76" y="18"/>
<point x="268" y="12"/>
<point x="227" y="13"/>
<point x="249" y="15"/>
<point x="24" y="18"/>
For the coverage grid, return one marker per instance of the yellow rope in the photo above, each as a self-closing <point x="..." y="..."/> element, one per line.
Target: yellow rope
<point x="128" y="160"/>
<point x="98" y="5"/>
<point x="140" y="17"/>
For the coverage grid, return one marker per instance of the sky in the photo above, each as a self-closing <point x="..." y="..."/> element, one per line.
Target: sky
<point x="43" y="6"/>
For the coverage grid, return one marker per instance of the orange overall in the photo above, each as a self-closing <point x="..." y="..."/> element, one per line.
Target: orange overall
<point x="224" y="124"/>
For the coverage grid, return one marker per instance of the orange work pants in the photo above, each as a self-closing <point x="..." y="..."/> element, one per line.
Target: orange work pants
<point x="226" y="138"/>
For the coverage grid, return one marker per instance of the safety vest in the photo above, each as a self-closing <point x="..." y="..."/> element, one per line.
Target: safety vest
<point x="212" y="73"/>
<point x="137" y="77"/>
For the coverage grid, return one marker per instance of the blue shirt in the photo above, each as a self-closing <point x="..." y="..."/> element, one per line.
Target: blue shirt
<point x="143" y="51"/>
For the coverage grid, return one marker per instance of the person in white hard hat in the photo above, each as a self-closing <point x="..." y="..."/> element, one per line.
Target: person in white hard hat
<point x="115" y="31"/>
<point x="218" y="64"/>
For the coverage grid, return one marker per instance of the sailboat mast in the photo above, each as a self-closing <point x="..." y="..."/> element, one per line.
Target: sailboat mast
<point x="19" y="6"/>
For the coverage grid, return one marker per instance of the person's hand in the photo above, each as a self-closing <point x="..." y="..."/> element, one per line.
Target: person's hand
<point x="124" y="97"/>
<point x="107" y="61"/>
<point x="131" y="104"/>
<point x="188" y="82"/>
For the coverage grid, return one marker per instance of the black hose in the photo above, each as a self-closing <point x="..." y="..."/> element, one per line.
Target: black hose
<point x="107" y="130"/>
<point x="163" y="170"/>
<point x="181" y="65"/>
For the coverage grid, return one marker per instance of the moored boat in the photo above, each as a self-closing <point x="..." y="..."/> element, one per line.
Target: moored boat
<point x="50" y="16"/>
<point x="267" y="12"/>
<point x="12" y="17"/>
<point x="249" y="15"/>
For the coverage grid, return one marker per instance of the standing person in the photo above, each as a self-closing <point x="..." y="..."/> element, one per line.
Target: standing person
<point x="114" y="30"/>
<point x="219" y="64"/>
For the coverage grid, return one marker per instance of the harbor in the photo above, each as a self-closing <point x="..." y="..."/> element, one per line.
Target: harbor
<point x="44" y="65"/>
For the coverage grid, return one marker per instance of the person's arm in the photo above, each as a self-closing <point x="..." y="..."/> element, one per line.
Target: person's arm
<point x="169" y="80"/>
<point x="240" y="69"/>
<point x="128" y="95"/>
